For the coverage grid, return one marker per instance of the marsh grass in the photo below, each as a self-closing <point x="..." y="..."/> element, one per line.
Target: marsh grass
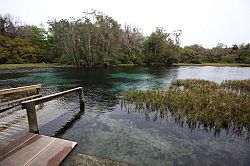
<point x="237" y="85"/>
<point x="199" y="104"/>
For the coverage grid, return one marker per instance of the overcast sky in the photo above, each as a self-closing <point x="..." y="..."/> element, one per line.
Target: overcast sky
<point x="205" y="22"/>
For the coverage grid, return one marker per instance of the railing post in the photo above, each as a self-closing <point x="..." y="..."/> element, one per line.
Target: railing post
<point x="31" y="112"/>
<point x="81" y="98"/>
<point x="38" y="90"/>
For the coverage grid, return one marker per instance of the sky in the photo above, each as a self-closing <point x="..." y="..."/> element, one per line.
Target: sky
<point x="204" y="22"/>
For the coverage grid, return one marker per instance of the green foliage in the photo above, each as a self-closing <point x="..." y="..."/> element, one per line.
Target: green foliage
<point x="219" y="54"/>
<point x="18" y="50"/>
<point x="90" y="41"/>
<point x="198" y="59"/>
<point x="160" y="48"/>
<point x="97" y="39"/>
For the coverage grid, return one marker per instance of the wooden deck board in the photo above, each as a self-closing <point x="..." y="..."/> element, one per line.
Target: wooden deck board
<point x="54" y="154"/>
<point x="14" y="145"/>
<point x="36" y="149"/>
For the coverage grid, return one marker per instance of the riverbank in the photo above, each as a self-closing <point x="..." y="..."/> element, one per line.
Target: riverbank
<point x="214" y="64"/>
<point x="55" y="65"/>
<point x="33" y="65"/>
<point x="49" y="65"/>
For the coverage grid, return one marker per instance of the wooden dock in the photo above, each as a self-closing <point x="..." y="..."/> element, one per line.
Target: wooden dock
<point x="18" y="95"/>
<point x="34" y="149"/>
<point x="40" y="150"/>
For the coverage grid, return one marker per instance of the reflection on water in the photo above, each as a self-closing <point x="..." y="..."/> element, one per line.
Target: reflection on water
<point x="230" y="132"/>
<point x="106" y="131"/>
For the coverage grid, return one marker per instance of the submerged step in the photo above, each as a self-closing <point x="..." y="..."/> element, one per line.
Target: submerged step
<point x="88" y="160"/>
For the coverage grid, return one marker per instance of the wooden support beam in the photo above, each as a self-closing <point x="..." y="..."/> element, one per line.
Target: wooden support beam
<point x="14" y="92"/>
<point x="20" y="89"/>
<point x="32" y="119"/>
<point x="30" y="106"/>
<point x="81" y="98"/>
<point x="21" y="99"/>
<point x="44" y="99"/>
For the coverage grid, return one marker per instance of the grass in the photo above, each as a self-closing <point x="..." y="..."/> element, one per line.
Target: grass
<point x="199" y="103"/>
<point x="237" y="85"/>
<point x="41" y="65"/>
<point x="127" y="64"/>
<point x="214" y="64"/>
<point x="32" y="65"/>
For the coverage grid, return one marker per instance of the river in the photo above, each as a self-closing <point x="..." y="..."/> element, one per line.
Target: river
<point x="108" y="131"/>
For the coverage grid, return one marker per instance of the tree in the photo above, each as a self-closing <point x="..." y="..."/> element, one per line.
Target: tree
<point x="18" y="50"/>
<point x="131" y="45"/>
<point x="159" y="47"/>
<point x="92" y="40"/>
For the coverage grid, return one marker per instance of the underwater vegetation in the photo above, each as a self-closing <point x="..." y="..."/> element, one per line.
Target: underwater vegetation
<point x="199" y="104"/>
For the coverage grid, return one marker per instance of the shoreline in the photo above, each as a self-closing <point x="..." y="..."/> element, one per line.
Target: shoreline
<point x="34" y="65"/>
<point x="214" y="64"/>
<point x="55" y="65"/>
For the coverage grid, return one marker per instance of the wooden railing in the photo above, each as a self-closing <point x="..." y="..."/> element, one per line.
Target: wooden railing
<point x="31" y="110"/>
<point x="17" y="90"/>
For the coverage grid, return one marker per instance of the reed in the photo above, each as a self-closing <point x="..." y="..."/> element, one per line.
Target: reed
<point x="237" y="85"/>
<point x="199" y="103"/>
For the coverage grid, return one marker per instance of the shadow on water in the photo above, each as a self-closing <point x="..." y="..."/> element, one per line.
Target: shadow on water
<point x="61" y="124"/>
<point x="69" y="123"/>
<point x="3" y="109"/>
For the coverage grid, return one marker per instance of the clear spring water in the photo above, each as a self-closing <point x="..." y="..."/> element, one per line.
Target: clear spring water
<point x="108" y="131"/>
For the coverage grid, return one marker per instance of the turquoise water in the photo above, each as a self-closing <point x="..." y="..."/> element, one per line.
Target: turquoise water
<point x="107" y="130"/>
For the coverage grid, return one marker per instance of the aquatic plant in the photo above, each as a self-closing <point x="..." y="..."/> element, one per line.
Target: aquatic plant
<point x="199" y="103"/>
<point x="238" y="85"/>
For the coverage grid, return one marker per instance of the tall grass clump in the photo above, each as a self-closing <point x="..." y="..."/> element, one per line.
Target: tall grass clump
<point x="237" y="85"/>
<point x="199" y="103"/>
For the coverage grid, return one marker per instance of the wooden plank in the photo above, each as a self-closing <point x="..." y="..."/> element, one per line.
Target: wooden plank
<point x="34" y="149"/>
<point x="54" y="154"/>
<point x="20" y="89"/>
<point x="22" y="99"/>
<point x="27" y="151"/>
<point x="14" y="145"/>
<point x="50" y="97"/>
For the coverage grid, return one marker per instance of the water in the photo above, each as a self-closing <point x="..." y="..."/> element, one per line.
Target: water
<point x="105" y="130"/>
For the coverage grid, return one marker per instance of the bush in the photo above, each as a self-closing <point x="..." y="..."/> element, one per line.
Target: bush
<point x="228" y="58"/>
<point x="196" y="61"/>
